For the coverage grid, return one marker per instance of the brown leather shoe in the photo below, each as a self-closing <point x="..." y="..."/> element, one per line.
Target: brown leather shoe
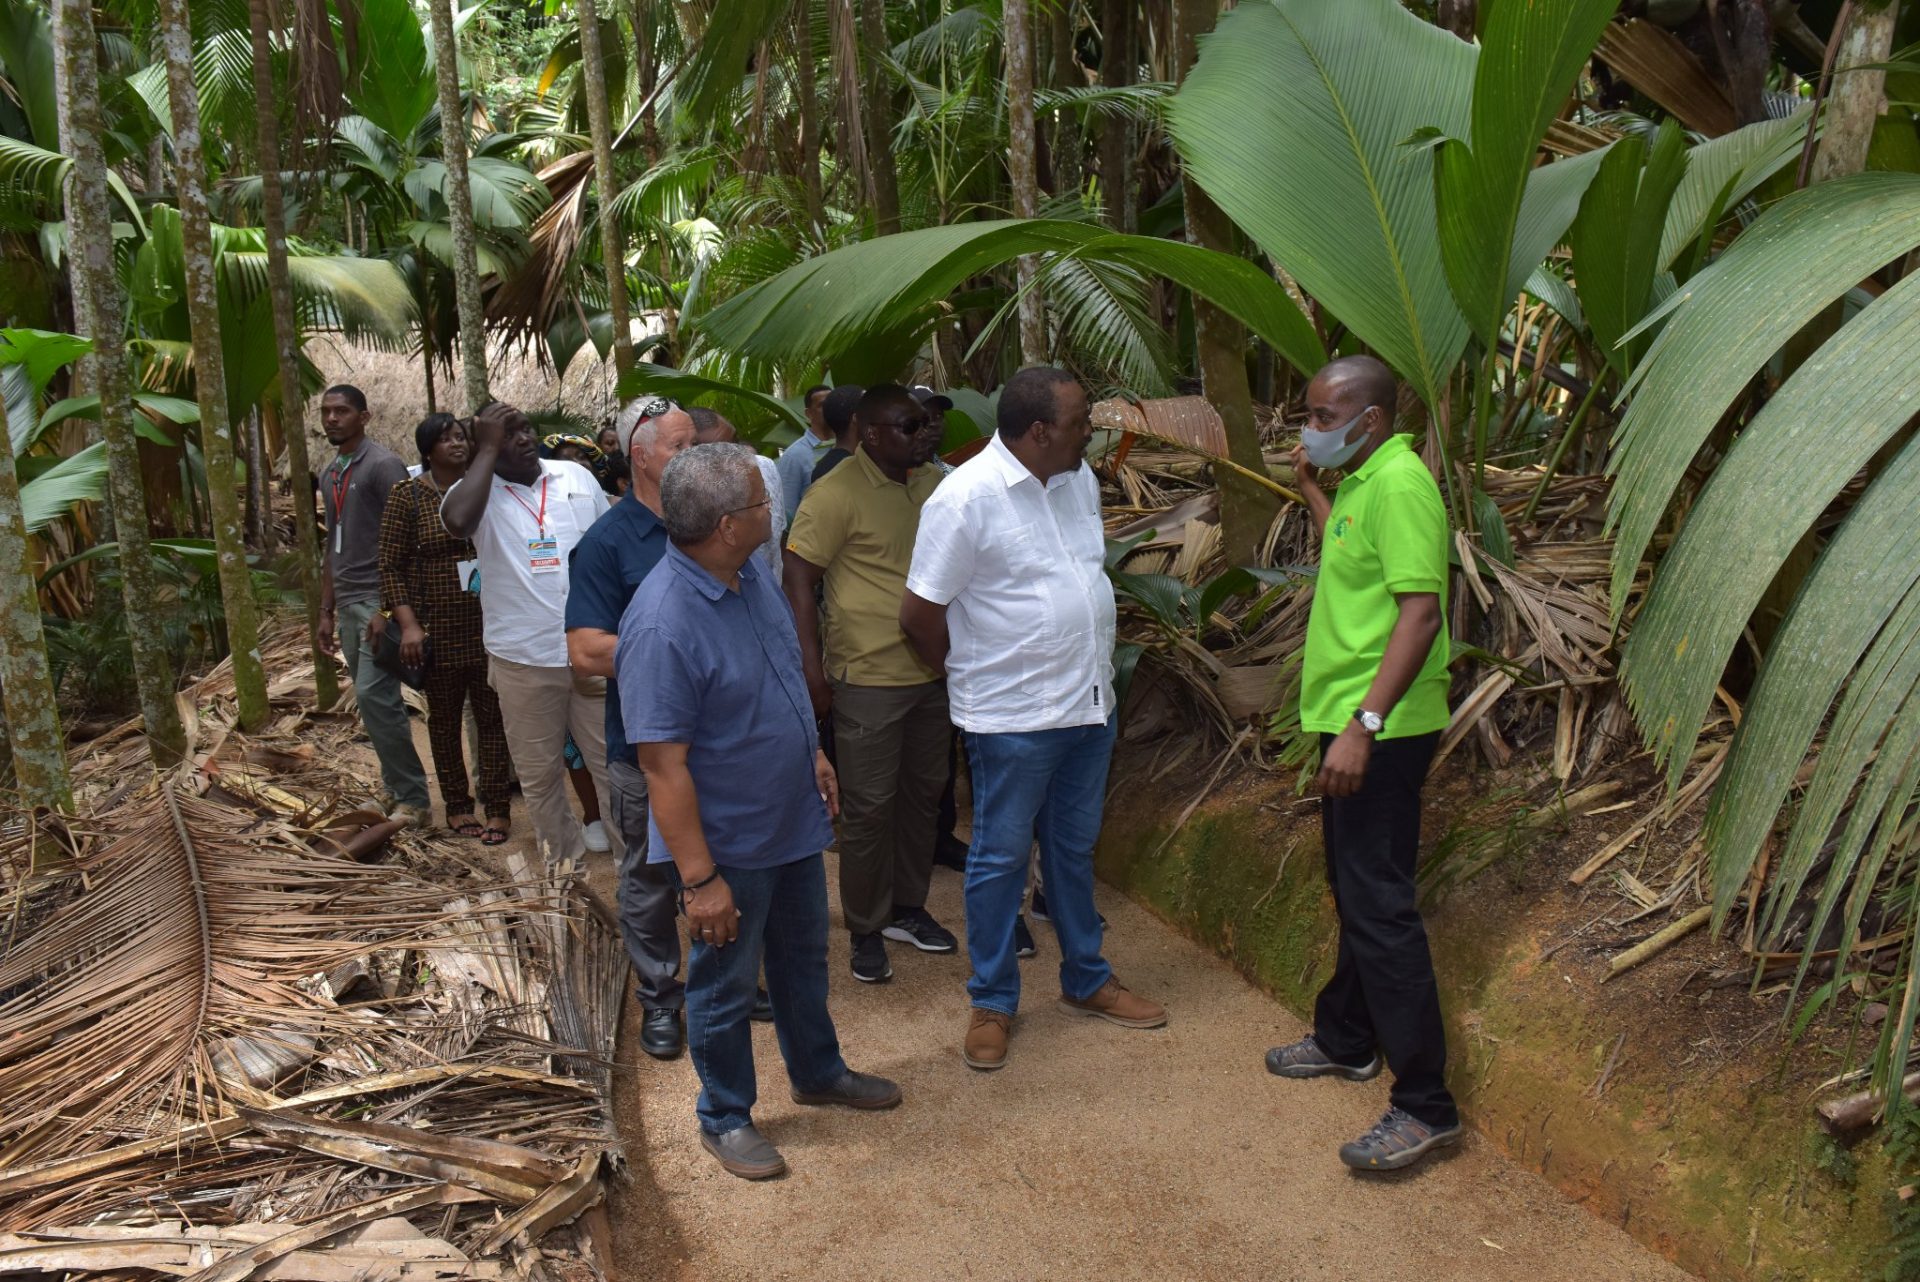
<point x="1117" y="1005"/>
<point x="986" y="1044"/>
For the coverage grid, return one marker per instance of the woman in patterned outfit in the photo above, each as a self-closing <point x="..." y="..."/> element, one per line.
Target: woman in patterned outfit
<point x="420" y="587"/>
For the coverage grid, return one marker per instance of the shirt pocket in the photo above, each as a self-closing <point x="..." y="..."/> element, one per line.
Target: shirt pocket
<point x="1024" y="550"/>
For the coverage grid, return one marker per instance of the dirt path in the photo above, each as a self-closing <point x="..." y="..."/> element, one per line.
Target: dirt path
<point x="1098" y="1152"/>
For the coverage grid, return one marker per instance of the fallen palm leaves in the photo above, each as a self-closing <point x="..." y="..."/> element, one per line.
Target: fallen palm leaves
<point x="230" y="1049"/>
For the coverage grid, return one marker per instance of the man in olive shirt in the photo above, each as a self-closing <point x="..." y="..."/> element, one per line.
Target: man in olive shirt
<point x="855" y="530"/>
<point x="1374" y="687"/>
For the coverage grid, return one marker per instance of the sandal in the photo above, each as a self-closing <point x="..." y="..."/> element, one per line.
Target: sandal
<point x="468" y="827"/>
<point x="493" y="836"/>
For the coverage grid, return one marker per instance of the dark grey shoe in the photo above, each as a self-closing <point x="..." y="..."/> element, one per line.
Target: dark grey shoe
<point x="745" y="1153"/>
<point x="916" y="926"/>
<point x="1398" y="1139"/>
<point x="1304" y="1058"/>
<point x="853" y="1090"/>
<point x="870" y="964"/>
<point x="1023" y="945"/>
<point x="762" y="1008"/>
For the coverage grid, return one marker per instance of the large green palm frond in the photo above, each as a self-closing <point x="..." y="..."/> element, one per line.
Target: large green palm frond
<point x="734" y="29"/>
<point x="1103" y="313"/>
<point x="1788" y="267"/>
<point x="1853" y="630"/>
<point x="830" y="305"/>
<point x="1296" y="120"/>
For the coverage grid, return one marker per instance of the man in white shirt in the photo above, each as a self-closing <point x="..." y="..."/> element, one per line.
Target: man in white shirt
<point x="525" y="515"/>
<point x="1008" y="595"/>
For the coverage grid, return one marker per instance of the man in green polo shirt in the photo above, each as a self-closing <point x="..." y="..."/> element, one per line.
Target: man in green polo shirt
<point x="1374" y="687"/>
<point x="855" y="531"/>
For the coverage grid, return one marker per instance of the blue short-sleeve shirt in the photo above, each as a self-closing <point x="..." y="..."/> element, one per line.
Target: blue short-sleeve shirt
<point x="719" y="670"/>
<point x="610" y="563"/>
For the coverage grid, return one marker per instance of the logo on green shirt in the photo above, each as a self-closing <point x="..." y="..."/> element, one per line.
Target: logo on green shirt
<point x="1340" y="529"/>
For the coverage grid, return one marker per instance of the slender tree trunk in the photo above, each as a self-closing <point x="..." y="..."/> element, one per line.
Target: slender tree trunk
<point x="286" y="335"/>
<point x="1855" y="101"/>
<point x="809" y="106"/>
<point x="1246" y="508"/>
<point x="209" y="367"/>
<point x="852" y="150"/>
<point x="454" y="132"/>
<point x="1116" y="130"/>
<point x="649" y="77"/>
<point x="26" y="682"/>
<point x="1016" y="28"/>
<point x="612" y="243"/>
<point x="1068" y="174"/>
<point x="879" y="114"/>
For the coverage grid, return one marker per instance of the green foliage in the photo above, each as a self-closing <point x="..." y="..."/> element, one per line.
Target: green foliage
<point x="833" y="305"/>
<point x="1616" y="238"/>
<point x="1529" y="54"/>
<point x="1902" y="1140"/>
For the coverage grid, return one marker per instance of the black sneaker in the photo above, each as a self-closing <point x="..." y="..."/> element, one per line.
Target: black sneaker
<point x="1023" y="945"/>
<point x="870" y="965"/>
<point x="762" y="1007"/>
<point x="916" y="926"/>
<point x="1039" y="909"/>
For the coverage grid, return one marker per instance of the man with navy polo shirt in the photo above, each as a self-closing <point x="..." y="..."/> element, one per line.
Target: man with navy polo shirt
<point x="714" y="698"/>
<point x="613" y="559"/>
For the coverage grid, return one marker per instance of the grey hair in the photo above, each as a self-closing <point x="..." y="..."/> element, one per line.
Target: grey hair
<point x="703" y="484"/>
<point x="642" y="412"/>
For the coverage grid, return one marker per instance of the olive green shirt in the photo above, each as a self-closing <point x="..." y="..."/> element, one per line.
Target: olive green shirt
<point x="1386" y="536"/>
<point x="859" y="526"/>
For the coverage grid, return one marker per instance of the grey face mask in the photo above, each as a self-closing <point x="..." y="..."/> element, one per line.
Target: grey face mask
<point x="1332" y="449"/>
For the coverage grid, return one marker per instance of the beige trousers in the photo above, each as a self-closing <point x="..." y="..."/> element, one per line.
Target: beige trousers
<point x="540" y="707"/>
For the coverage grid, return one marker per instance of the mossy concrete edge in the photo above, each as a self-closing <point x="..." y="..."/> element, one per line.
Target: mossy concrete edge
<point x="1728" y="1181"/>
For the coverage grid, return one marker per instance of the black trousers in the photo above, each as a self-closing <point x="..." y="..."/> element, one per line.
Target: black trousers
<point x="1382" y="994"/>
<point x="649" y="895"/>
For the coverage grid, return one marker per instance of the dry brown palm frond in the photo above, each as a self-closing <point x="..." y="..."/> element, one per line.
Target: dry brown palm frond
<point x="199" y="925"/>
<point x="527" y="303"/>
<point x="1652" y="60"/>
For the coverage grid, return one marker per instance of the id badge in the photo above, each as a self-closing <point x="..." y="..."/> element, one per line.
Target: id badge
<point x="468" y="574"/>
<point x="543" y="556"/>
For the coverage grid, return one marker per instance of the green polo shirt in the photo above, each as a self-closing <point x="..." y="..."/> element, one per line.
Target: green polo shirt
<point x="859" y="526"/>
<point x="1386" y="534"/>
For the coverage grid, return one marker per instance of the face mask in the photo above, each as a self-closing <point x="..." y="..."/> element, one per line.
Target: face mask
<point x="1332" y="449"/>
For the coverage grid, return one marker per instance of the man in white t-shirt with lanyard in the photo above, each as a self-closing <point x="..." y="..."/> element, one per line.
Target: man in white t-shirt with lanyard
<point x="525" y="514"/>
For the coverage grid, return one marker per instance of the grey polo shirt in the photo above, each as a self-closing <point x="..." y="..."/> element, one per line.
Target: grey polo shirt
<point x="354" y="491"/>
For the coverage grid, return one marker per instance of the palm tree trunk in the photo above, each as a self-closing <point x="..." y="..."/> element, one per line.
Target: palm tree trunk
<point x="209" y="367"/>
<point x="1855" y="101"/>
<point x="809" y="108"/>
<point x="1116" y="131"/>
<point x="453" y="150"/>
<point x="879" y="116"/>
<point x="286" y="335"/>
<point x="1016" y="28"/>
<point x="852" y="149"/>
<point x="612" y="243"/>
<point x="649" y="78"/>
<point x="1247" y="509"/>
<point x="26" y="682"/>
<point x="1067" y="171"/>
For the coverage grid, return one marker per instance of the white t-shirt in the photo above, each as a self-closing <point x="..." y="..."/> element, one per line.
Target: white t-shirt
<point x="525" y="544"/>
<point x="769" y="552"/>
<point x="1021" y="569"/>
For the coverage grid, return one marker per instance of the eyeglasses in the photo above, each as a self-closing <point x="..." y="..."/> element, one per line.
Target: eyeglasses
<point x="766" y="502"/>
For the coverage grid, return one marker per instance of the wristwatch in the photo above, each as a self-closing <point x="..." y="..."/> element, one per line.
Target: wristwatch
<point x="1371" y="722"/>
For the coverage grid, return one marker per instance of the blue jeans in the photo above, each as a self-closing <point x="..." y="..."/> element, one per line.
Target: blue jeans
<point x="1050" y="784"/>
<point x="783" y="915"/>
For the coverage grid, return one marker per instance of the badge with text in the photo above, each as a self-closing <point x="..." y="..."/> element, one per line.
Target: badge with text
<point x="543" y="556"/>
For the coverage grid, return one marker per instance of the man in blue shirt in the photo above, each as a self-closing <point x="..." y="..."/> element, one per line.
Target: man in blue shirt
<point x="714" y="699"/>
<point x="612" y="560"/>
<point x="797" y="461"/>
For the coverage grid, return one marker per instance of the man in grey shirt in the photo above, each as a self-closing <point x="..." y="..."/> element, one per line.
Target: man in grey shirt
<point x="354" y="490"/>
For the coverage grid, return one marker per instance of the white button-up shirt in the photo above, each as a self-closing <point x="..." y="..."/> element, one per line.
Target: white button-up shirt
<point x="1020" y="567"/>
<point x="525" y="544"/>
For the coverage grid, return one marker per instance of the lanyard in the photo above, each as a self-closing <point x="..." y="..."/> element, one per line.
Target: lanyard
<point x="540" y="517"/>
<point x="341" y="484"/>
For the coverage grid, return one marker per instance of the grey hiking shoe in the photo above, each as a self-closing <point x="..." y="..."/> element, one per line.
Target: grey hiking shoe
<point x="1304" y="1058"/>
<point x="746" y="1153"/>
<point x="1397" y="1140"/>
